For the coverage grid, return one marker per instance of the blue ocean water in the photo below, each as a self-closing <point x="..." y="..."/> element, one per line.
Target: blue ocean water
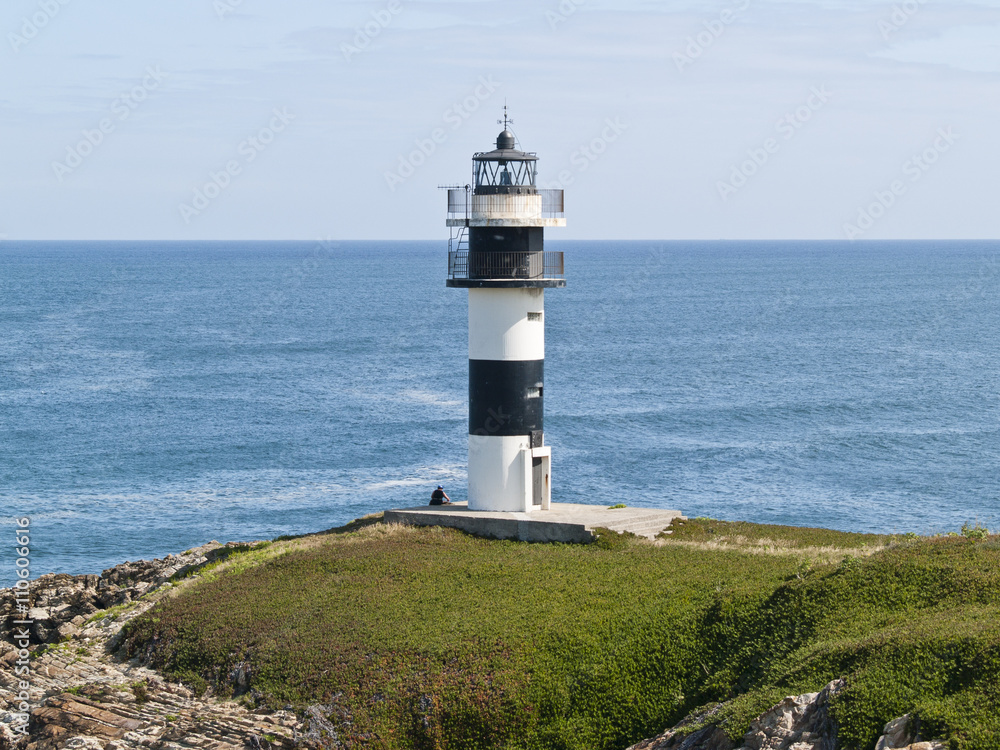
<point x="155" y="396"/>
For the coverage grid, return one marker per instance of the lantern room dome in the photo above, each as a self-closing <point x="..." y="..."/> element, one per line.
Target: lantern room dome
<point x="506" y="140"/>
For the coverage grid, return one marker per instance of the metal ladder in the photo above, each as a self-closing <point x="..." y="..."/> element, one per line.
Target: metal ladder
<point x="459" y="241"/>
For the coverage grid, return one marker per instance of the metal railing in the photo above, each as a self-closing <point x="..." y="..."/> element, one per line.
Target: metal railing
<point x="506" y="266"/>
<point x="553" y="204"/>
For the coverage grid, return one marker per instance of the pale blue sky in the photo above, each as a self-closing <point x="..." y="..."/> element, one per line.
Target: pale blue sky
<point x="872" y="90"/>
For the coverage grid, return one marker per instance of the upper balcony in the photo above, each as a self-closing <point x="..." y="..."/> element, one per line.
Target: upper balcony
<point x="508" y="207"/>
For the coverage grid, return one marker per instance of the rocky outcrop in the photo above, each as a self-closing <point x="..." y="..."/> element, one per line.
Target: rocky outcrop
<point x="797" y="723"/>
<point x="83" y="696"/>
<point x="709" y="737"/>
<point x="904" y="734"/>
<point x="61" y="605"/>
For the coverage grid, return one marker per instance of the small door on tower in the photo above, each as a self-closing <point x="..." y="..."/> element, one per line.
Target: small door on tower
<point x="541" y="478"/>
<point x="538" y="481"/>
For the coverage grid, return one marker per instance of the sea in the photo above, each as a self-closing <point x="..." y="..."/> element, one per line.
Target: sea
<point x="156" y="396"/>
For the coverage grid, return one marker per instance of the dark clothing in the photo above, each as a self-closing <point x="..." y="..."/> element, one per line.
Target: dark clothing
<point x="437" y="497"/>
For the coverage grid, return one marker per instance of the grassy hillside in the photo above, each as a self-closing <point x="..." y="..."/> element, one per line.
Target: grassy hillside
<point x="427" y="638"/>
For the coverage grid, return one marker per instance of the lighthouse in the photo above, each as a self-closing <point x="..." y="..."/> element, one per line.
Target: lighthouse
<point x="496" y="251"/>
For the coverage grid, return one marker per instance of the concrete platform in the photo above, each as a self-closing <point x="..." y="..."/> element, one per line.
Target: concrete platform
<point x="567" y="523"/>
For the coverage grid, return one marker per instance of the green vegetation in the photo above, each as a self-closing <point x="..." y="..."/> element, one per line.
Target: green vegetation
<point x="111" y="613"/>
<point x="141" y="692"/>
<point x="427" y="638"/>
<point x="217" y="557"/>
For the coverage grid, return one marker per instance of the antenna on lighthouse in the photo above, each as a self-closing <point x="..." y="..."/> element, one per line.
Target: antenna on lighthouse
<point x="506" y="120"/>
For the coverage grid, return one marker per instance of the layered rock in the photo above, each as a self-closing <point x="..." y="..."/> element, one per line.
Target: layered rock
<point x="83" y="696"/>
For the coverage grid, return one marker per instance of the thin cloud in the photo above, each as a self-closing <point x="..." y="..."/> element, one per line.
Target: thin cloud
<point x="975" y="49"/>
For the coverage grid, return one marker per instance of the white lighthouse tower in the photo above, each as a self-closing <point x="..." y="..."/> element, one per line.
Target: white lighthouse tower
<point x="497" y="253"/>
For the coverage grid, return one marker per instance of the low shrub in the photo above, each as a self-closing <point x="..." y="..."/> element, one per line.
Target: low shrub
<point x="427" y="638"/>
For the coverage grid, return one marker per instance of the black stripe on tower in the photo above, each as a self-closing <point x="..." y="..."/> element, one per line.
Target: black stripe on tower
<point x="505" y="398"/>
<point x="506" y="239"/>
<point x="513" y="253"/>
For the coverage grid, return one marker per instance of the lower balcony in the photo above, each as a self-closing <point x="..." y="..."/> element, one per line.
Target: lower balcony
<point x="501" y="270"/>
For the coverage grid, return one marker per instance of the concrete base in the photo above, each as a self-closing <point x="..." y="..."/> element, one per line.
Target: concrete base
<point x="572" y="524"/>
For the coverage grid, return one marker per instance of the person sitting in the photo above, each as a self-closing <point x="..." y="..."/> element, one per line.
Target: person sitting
<point x="438" y="497"/>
